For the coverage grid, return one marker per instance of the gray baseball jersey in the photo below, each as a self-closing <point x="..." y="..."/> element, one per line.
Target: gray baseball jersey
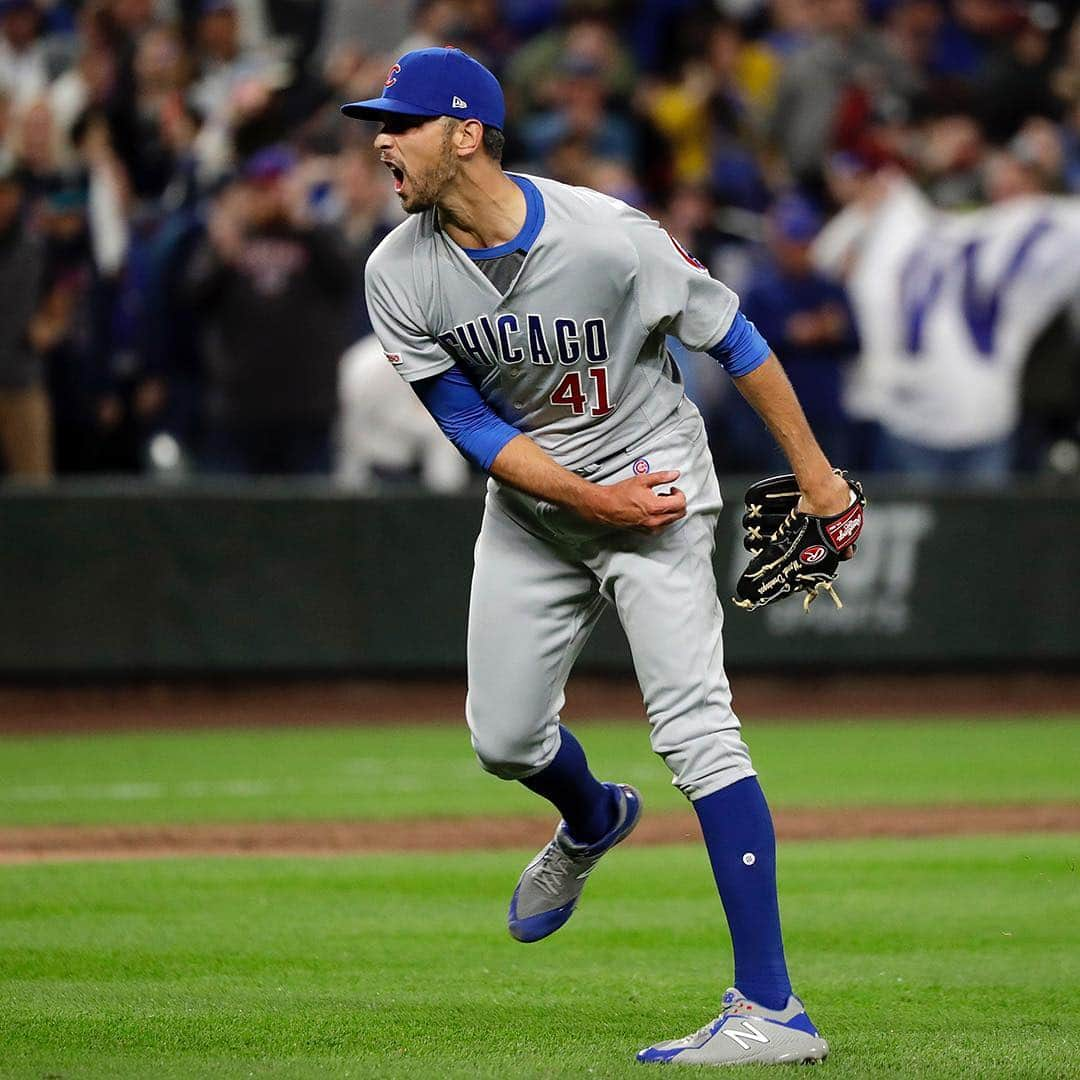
<point x="573" y="354"/>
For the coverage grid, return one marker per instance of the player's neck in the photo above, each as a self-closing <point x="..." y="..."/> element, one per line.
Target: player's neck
<point x="483" y="209"/>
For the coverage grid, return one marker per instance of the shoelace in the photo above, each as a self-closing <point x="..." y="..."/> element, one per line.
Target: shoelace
<point x="707" y="1029"/>
<point x="554" y="869"/>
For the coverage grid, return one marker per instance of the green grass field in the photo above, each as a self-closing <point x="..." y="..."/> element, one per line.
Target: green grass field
<point x="948" y="958"/>
<point x="952" y="959"/>
<point x="385" y="773"/>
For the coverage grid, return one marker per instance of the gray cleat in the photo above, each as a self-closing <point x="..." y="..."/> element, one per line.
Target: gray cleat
<point x="551" y="884"/>
<point x="746" y="1034"/>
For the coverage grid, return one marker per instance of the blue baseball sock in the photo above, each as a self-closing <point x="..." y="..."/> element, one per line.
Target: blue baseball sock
<point x="586" y="805"/>
<point x="738" y="831"/>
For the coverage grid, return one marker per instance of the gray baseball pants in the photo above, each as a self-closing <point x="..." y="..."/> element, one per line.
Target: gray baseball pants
<point x="541" y="579"/>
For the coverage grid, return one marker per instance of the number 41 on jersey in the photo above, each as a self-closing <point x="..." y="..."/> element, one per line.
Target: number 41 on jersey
<point x="571" y="392"/>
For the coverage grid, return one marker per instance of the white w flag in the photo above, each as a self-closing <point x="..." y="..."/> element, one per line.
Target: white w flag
<point x="949" y="305"/>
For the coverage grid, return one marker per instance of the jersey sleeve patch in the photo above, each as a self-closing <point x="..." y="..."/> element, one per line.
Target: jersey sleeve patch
<point x="697" y="264"/>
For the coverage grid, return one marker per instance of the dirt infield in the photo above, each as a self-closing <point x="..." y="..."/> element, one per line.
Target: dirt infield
<point x="51" y="843"/>
<point x="44" y="710"/>
<point x="180" y="706"/>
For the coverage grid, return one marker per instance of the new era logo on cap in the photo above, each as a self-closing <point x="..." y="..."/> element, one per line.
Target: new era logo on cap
<point x="457" y="103"/>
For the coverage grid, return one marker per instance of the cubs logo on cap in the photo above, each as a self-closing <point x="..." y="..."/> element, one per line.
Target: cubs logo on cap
<point x="436" y="82"/>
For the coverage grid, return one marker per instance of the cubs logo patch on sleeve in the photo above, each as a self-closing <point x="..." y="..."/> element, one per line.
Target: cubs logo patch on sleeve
<point x="697" y="264"/>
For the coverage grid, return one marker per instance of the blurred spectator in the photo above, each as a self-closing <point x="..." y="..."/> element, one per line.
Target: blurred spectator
<point x="1049" y="435"/>
<point x="27" y="329"/>
<point x="679" y="109"/>
<point x="24" y="71"/>
<point x="1016" y="81"/>
<point x="713" y="235"/>
<point x="365" y="220"/>
<point x="707" y="117"/>
<point x="867" y="246"/>
<point x="581" y="115"/>
<point x="807" y="320"/>
<point x="158" y="130"/>
<point x="951" y="305"/>
<point x="297" y="25"/>
<point x="434" y="23"/>
<point x="70" y="287"/>
<point x="586" y="40"/>
<point x="950" y="158"/>
<point x="222" y="61"/>
<point x="373" y="27"/>
<point x="90" y="83"/>
<point x="844" y="55"/>
<point x="1065" y="81"/>
<point x="1070" y="148"/>
<point x="274" y="290"/>
<point x="385" y="436"/>
<point x="126" y="121"/>
<point x="912" y="29"/>
<point x="234" y="91"/>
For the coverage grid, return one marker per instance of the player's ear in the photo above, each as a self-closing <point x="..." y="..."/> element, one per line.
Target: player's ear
<point x="469" y="137"/>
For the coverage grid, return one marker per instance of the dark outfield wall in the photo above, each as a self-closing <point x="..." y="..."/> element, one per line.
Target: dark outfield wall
<point x="285" y="579"/>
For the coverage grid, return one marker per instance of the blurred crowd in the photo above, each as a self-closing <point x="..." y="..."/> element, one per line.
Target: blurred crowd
<point x="185" y="218"/>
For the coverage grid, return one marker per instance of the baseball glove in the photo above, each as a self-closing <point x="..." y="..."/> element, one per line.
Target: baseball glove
<point x="792" y="551"/>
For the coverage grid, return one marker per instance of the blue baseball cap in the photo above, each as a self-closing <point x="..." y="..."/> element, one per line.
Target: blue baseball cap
<point x="795" y="218"/>
<point x="269" y="163"/>
<point x="437" y="82"/>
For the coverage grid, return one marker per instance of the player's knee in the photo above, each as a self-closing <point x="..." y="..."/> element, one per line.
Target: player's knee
<point x="508" y="743"/>
<point x="507" y="756"/>
<point x="503" y="765"/>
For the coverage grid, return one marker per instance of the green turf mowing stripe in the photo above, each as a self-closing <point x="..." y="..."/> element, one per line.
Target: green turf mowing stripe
<point x="950" y="958"/>
<point x="390" y="773"/>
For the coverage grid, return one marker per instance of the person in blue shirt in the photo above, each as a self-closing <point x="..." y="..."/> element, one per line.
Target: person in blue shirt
<point x="808" y="319"/>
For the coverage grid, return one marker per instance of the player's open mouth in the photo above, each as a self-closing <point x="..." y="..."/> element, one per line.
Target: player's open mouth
<point x="399" y="176"/>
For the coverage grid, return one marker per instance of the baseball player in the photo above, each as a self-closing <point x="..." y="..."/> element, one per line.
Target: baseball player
<point x="530" y="318"/>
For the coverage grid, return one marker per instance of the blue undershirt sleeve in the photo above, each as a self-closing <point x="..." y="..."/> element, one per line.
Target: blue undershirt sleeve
<point x="742" y="348"/>
<point x="464" y="416"/>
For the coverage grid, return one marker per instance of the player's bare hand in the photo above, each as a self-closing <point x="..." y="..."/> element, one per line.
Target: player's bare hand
<point x="832" y="497"/>
<point x="636" y="504"/>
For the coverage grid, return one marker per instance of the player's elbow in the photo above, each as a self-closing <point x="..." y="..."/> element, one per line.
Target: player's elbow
<point x="481" y="443"/>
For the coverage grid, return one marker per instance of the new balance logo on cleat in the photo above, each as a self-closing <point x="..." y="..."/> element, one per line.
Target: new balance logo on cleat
<point x="749" y="1032"/>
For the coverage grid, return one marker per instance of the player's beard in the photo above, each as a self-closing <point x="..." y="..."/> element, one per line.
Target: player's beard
<point x="427" y="189"/>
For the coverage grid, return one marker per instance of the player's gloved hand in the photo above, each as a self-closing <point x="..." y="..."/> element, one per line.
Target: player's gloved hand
<point x="834" y="499"/>
<point x="797" y="543"/>
<point x="634" y="504"/>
